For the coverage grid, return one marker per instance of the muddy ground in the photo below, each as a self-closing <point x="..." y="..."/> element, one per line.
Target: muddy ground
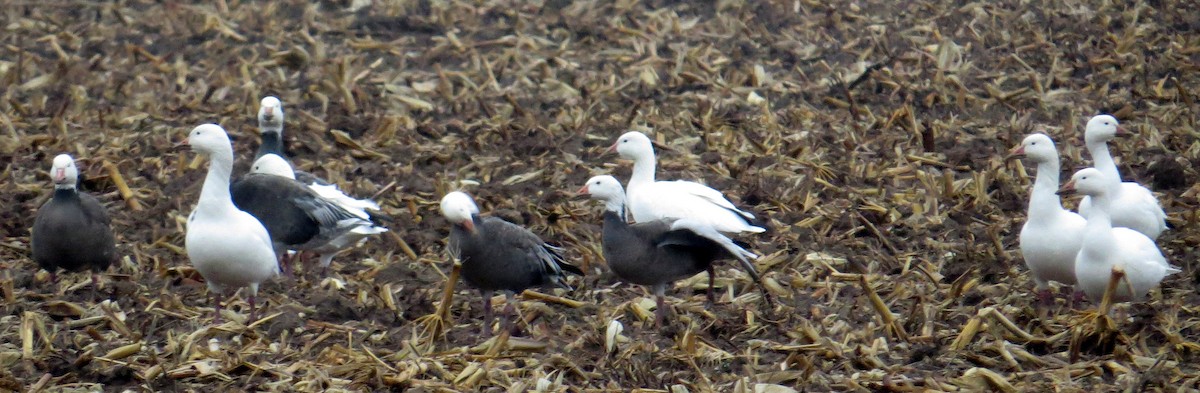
<point x="869" y="135"/>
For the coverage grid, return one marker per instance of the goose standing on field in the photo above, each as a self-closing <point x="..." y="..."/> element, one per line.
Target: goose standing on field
<point x="658" y="253"/>
<point x="335" y="231"/>
<point x="270" y="125"/>
<point x="1133" y="206"/>
<point x="71" y="230"/>
<point x="296" y="217"/>
<point x="1105" y="247"/>
<point x="498" y="255"/>
<point x="650" y="200"/>
<point x="1051" y="236"/>
<point x="229" y="247"/>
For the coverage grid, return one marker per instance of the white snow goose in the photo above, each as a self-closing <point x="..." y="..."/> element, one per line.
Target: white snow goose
<point x="1105" y="247"/>
<point x="1133" y="206"/>
<point x="658" y="253"/>
<point x="650" y="200"/>
<point x="341" y="235"/>
<point x="229" y="247"/>
<point x="498" y="255"/>
<point x="72" y="230"/>
<point x="1051" y="235"/>
<point x="296" y="217"/>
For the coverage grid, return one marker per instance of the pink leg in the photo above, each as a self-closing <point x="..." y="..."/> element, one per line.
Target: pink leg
<point x="253" y="309"/>
<point x="1045" y="297"/>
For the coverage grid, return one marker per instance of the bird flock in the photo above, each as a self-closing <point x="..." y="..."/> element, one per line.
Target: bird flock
<point x="245" y="231"/>
<point x="1109" y="246"/>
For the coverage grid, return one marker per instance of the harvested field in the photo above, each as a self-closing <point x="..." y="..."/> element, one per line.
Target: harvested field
<point x="869" y="135"/>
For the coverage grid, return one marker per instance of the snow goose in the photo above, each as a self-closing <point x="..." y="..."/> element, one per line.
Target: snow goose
<point x="229" y="247"/>
<point x="658" y="253"/>
<point x="296" y="217"/>
<point x="348" y="232"/>
<point x="498" y="255"/>
<point x="1105" y="247"/>
<point x="649" y="200"/>
<point x="1133" y="206"/>
<point x="71" y="230"/>
<point x="1051" y="235"/>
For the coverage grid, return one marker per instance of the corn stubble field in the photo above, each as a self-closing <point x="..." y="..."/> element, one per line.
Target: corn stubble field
<point x="869" y="135"/>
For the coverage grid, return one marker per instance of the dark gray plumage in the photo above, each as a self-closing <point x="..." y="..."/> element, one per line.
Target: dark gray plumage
<point x="294" y="215"/>
<point x="72" y="230"/>
<point x="498" y="255"/>
<point x="658" y="253"/>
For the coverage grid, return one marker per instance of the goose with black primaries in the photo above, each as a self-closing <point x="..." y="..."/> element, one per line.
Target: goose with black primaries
<point x="498" y="255"/>
<point x="1051" y="235"/>
<point x="344" y="235"/>
<point x="71" y="231"/>
<point x="229" y="247"/>
<point x="296" y="217"/>
<point x="650" y="200"/>
<point x="658" y="253"/>
<point x="1105" y="247"/>
<point x="1133" y="206"/>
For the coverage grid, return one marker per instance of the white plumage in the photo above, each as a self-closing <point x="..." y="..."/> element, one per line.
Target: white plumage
<point x="229" y="247"/>
<point x="1105" y="247"/>
<point x="650" y="200"/>
<point x="1133" y="206"/>
<point x="1052" y="235"/>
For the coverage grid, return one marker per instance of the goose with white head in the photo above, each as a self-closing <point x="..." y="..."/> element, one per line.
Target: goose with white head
<point x="657" y="253"/>
<point x="650" y="200"/>
<point x="1133" y="206"/>
<point x="501" y="256"/>
<point x="297" y="216"/>
<point x="1051" y="236"/>
<point x="270" y="126"/>
<point x="229" y="247"/>
<point x="1105" y="247"/>
<point x="72" y="230"/>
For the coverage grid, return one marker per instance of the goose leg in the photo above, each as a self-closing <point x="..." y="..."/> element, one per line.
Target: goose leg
<point x="660" y="311"/>
<point x="1045" y="297"/>
<point x="510" y="311"/>
<point x="712" y="281"/>
<point x="250" y="299"/>
<point x="216" y="299"/>
<point x="487" y="312"/>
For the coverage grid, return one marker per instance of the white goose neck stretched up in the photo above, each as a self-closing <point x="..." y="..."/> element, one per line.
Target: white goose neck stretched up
<point x="1098" y="235"/>
<point x="1043" y="200"/>
<point x="643" y="170"/>
<point x="214" y="194"/>
<point x="1102" y="160"/>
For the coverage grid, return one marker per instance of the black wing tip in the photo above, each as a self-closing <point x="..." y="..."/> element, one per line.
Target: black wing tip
<point x="570" y="268"/>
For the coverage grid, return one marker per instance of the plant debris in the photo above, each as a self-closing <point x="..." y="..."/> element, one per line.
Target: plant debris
<point x="868" y="136"/>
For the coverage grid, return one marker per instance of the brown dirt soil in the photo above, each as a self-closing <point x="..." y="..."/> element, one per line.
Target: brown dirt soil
<point x="868" y="134"/>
